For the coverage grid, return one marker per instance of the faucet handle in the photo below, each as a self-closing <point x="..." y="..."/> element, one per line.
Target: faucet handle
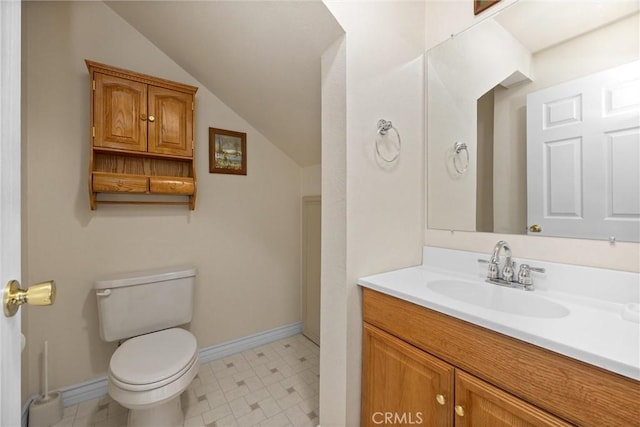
<point x="524" y="275"/>
<point x="492" y="271"/>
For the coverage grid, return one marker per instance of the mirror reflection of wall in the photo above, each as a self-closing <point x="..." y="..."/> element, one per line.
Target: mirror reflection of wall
<point x="478" y="83"/>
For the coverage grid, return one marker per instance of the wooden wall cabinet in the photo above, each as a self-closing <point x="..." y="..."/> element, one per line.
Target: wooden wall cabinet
<point x="142" y="137"/>
<point x="453" y="373"/>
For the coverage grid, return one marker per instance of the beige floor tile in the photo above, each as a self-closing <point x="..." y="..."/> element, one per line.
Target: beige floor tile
<point x="216" y="414"/>
<point x="279" y="420"/>
<point x="267" y="386"/>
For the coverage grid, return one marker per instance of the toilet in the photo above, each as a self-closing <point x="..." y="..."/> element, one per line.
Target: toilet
<point x="156" y="361"/>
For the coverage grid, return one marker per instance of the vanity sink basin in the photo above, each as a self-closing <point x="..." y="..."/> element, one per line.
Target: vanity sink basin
<point x="494" y="297"/>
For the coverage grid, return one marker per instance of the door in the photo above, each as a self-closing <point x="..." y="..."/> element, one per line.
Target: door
<point x="9" y="206"/>
<point x="311" y="245"/>
<point x="120" y="113"/>
<point x="479" y="404"/>
<point x="583" y="156"/>
<point x="402" y="385"/>
<point x="170" y="122"/>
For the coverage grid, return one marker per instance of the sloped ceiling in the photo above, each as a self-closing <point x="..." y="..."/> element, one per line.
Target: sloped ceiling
<point x="261" y="58"/>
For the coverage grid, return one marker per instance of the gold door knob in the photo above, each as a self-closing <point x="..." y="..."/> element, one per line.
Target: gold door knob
<point x="152" y="119"/>
<point x="459" y="410"/>
<point x="535" y="228"/>
<point x="40" y="294"/>
<point x="440" y="399"/>
<point x="143" y="117"/>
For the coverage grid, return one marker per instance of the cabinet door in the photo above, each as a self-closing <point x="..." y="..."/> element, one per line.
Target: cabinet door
<point x="170" y="122"/>
<point x="480" y="404"/>
<point x="402" y="385"/>
<point x="120" y="113"/>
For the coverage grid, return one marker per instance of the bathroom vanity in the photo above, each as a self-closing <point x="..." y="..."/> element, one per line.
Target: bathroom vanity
<point x="434" y="357"/>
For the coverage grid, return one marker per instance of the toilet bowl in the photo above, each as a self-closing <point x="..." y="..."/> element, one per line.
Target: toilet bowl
<point x="147" y="375"/>
<point x="157" y="361"/>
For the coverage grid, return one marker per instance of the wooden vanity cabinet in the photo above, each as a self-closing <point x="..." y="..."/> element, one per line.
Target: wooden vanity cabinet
<point x="142" y="136"/>
<point x="487" y="379"/>
<point x="403" y="385"/>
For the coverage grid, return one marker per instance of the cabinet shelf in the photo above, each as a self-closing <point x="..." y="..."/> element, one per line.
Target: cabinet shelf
<point x="143" y="154"/>
<point x="142" y="138"/>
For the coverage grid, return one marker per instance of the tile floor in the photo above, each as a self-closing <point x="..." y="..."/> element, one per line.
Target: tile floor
<point x="272" y="385"/>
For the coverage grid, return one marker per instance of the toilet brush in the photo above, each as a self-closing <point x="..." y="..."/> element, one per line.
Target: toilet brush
<point x="47" y="409"/>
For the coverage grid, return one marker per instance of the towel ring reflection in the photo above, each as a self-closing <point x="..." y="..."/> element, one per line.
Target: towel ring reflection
<point x="459" y="147"/>
<point x="384" y="127"/>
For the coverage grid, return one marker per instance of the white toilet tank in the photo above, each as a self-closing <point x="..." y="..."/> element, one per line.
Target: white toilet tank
<point x="131" y="304"/>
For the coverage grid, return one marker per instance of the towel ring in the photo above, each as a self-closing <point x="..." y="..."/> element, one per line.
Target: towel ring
<point x="384" y="127"/>
<point x="459" y="147"/>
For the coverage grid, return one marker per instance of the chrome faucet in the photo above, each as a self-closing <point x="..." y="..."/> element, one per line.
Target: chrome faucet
<point x="507" y="271"/>
<point x="504" y="276"/>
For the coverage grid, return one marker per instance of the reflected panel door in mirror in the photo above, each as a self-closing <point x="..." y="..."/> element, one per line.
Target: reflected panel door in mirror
<point x="525" y="48"/>
<point x="583" y="151"/>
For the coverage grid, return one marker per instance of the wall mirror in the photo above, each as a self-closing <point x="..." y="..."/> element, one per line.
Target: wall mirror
<point x="533" y="120"/>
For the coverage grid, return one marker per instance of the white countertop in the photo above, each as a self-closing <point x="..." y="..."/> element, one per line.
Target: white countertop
<point x="594" y="331"/>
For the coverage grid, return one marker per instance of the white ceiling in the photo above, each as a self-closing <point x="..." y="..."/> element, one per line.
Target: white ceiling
<point x="540" y="24"/>
<point x="262" y="59"/>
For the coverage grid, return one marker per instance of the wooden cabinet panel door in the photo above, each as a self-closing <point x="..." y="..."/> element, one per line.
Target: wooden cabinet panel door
<point x="480" y="404"/>
<point x="120" y="112"/>
<point x="170" y="122"/>
<point x="401" y="384"/>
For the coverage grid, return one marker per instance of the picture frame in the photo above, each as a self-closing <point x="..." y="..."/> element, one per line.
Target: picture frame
<point x="227" y="152"/>
<point x="481" y="5"/>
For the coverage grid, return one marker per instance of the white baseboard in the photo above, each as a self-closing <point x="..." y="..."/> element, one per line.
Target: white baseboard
<point x="241" y="344"/>
<point x="93" y="389"/>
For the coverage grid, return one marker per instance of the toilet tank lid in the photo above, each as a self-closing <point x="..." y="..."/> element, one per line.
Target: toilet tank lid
<point x="145" y="276"/>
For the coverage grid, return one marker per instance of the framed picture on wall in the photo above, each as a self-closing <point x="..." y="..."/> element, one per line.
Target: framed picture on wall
<point x="480" y="5"/>
<point x="227" y="152"/>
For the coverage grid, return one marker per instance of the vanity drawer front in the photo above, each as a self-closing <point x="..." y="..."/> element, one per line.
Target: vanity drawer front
<point x="171" y="185"/>
<point x="577" y="392"/>
<point x="115" y="183"/>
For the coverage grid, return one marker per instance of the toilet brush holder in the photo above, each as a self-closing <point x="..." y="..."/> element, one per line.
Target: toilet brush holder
<point x="46" y="410"/>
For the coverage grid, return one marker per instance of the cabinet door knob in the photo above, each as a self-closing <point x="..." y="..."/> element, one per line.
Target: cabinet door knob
<point x="152" y="119"/>
<point x="440" y="399"/>
<point x="459" y="410"/>
<point x="143" y="117"/>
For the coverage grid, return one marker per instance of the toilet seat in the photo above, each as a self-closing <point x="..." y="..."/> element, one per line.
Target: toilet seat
<point x="154" y="360"/>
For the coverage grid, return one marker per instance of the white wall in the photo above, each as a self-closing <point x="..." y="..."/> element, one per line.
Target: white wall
<point x="452" y="16"/>
<point x="333" y="294"/>
<point x="372" y="212"/>
<point x="311" y="180"/>
<point x="244" y="235"/>
<point x="445" y="18"/>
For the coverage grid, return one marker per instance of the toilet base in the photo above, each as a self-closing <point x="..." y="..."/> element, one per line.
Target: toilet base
<point x="168" y="414"/>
